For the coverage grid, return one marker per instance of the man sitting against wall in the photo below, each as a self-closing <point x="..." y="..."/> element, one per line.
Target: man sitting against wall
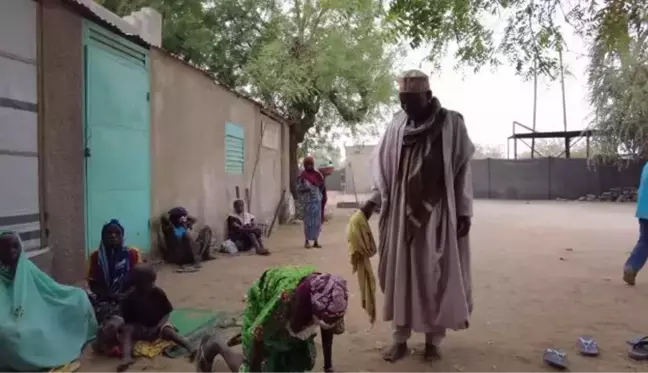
<point x="183" y="246"/>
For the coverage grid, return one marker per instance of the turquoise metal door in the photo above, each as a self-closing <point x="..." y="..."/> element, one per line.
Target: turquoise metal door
<point x="117" y="136"/>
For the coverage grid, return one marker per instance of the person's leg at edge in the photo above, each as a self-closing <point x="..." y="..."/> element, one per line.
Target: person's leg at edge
<point x="399" y="348"/>
<point x="318" y="218"/>
<point x="210" y="347"/>
<point x="258" y="244"/>
<point x="204" y="241"/>
<point x="433" y="340"/>
<point x="170" y="334"/>
<point x="127" y="348"/>
<point x="191" y="250"/>
<point x="639" y="254"/>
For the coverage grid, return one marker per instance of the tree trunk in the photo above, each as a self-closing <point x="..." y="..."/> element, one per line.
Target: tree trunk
<point x="292" y="160"/>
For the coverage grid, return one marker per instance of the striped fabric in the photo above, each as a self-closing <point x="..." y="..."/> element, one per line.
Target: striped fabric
<point x="27" y="226"/>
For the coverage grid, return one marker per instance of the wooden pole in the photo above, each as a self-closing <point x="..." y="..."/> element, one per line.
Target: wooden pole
<point x="355" y="191"/>
<point x="276" y="214"/>
<point x="535" y="104"/>
<point x="564" y="103"/>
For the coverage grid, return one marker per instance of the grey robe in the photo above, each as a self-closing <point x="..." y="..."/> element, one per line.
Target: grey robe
<point x="425" y="287"/>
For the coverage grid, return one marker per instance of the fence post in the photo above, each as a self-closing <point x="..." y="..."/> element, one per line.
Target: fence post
<point x="549" y="197"/>
<point x="488" y="177"/>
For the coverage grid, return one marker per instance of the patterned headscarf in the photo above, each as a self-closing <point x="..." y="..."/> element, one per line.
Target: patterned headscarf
<point x="116" y="264"/>
<point x="329" y="295"/>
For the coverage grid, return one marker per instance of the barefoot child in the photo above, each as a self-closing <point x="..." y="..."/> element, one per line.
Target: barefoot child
<point x="146" y="312"/>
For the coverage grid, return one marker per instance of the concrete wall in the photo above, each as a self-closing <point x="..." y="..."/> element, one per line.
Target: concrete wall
<point x="189" y="112"/>
<point x="548" y="178"/>
<point x="60" y="112"/>
<point x="335" y="181"/>
<point x="358" y="170"/>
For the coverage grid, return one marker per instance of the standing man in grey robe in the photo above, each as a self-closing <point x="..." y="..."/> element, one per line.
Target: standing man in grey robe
<point x="423" y="187"/>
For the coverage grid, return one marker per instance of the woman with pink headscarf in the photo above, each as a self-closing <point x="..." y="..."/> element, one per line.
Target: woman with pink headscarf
<point x="284" y="310"/>
<point x="312" y="194"/>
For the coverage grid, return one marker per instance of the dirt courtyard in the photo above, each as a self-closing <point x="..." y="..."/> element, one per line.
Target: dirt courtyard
<point x="543" y="274"/>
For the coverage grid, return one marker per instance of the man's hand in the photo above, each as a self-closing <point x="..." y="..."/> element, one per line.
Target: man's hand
<point x="463" y="226"/>
<point x="368" y="209"/>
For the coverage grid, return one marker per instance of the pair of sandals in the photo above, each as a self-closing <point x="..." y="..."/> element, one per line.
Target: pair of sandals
<point x="588" y="347"/>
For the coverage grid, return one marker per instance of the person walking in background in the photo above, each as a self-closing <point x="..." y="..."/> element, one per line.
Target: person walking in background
<point x="422" y="183"/>
<point x="639" y="254"/>
<point x="312" y="195"/>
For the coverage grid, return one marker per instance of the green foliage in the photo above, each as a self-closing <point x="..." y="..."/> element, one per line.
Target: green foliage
<point x="615" y="30"/>
<point x="532" y="35"/>
<point x="618" y="83"/>
<point x="324" y="65"/>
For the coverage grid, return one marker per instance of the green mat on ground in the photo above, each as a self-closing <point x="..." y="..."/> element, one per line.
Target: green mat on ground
<point x="193" y="323"/>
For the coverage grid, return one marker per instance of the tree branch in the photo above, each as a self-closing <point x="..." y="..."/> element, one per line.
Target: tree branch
<point x="347" y="113"/>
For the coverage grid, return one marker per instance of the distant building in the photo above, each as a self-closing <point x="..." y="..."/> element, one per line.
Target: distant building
<point x="358" y="176"/>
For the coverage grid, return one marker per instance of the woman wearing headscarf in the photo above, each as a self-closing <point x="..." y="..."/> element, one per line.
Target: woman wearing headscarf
<point x="283" y="311"/>
<point x="43" y="324"/>
<point x="312" y="194"/>
<point x="108" y="270"/>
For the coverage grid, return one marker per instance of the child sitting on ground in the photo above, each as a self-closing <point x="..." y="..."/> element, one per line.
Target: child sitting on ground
<point x="146" y="310"/>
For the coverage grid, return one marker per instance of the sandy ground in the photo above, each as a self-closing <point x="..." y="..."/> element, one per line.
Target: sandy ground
<point x="543" y="274"/>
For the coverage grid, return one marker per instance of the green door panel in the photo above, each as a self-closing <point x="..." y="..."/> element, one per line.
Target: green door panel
<point x="117" y="138"/>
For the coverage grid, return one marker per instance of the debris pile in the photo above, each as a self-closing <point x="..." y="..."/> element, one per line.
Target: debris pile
<point x="627" y="194"/>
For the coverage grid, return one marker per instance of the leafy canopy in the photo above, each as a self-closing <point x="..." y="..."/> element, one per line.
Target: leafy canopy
<point x="532" y="32"/>
<point x="531" y="40"/>
<point x="319" y="63"/>
<point x="618" y="87"/>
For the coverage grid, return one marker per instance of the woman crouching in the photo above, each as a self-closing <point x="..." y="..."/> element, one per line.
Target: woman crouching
<point x="283" y="311"/>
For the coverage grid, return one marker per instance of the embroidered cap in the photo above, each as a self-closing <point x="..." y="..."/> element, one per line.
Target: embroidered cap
<point x="414" y="81"/>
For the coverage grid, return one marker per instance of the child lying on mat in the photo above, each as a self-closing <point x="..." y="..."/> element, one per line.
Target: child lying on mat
<point x="145" y="313"/>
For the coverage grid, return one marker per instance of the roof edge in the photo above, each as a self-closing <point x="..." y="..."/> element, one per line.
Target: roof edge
<point x="262" y="108"/>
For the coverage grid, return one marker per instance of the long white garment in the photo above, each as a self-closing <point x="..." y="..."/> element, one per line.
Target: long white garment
<point x="427" y="285"/>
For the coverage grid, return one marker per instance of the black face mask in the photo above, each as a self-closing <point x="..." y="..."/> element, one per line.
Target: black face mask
<point x="414" y="105"/>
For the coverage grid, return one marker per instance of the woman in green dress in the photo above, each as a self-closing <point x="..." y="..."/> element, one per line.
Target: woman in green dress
<point x="283" y="311"/>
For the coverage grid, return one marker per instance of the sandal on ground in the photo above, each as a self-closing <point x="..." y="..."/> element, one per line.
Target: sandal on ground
<point x="187" y="269"/>
<point x="555" y="358"/>
<point x="639" y="349"/>
<point x="588" y="346"/>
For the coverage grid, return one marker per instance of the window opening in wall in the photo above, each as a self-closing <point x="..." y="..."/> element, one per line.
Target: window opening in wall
<point x="234" y="149"/>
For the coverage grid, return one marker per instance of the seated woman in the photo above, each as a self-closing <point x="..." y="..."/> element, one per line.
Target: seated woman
<point x="243" y="230"/>
<point x="192" y="248"/>
<point x="108" y="270"/>
<point x="283" y="311"/>
<point x="43" y="324"/>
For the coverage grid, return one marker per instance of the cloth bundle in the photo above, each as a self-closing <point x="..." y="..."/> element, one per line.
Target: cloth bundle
<point x="362" y="247"/>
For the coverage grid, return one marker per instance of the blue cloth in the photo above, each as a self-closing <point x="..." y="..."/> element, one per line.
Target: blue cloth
<point x="115" y="265"/>
<point x="43" y="324"/>
<point x="312" y="220"/>
<point x="639" y="254"/>
<point x="179" y="231"/>
<point x="642" y="194"/>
